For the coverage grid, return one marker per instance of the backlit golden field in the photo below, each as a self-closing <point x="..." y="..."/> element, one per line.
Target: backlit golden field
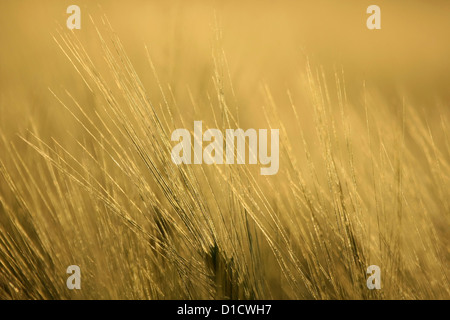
<point x="87" y="179"/>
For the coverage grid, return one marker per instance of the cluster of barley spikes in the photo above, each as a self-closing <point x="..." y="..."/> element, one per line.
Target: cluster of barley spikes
<point x="359" y="184"/>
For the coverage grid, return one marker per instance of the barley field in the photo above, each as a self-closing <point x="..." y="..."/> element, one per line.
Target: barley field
<point x="87" y="179"/>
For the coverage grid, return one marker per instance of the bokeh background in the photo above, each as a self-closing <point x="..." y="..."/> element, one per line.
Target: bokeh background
<point x="265" y="42"/>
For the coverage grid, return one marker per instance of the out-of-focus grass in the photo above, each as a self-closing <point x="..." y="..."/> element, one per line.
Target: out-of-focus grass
<point x="86" y="175"/>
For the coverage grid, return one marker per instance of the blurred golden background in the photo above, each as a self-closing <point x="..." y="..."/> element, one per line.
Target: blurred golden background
<point x="264" y="41"/>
